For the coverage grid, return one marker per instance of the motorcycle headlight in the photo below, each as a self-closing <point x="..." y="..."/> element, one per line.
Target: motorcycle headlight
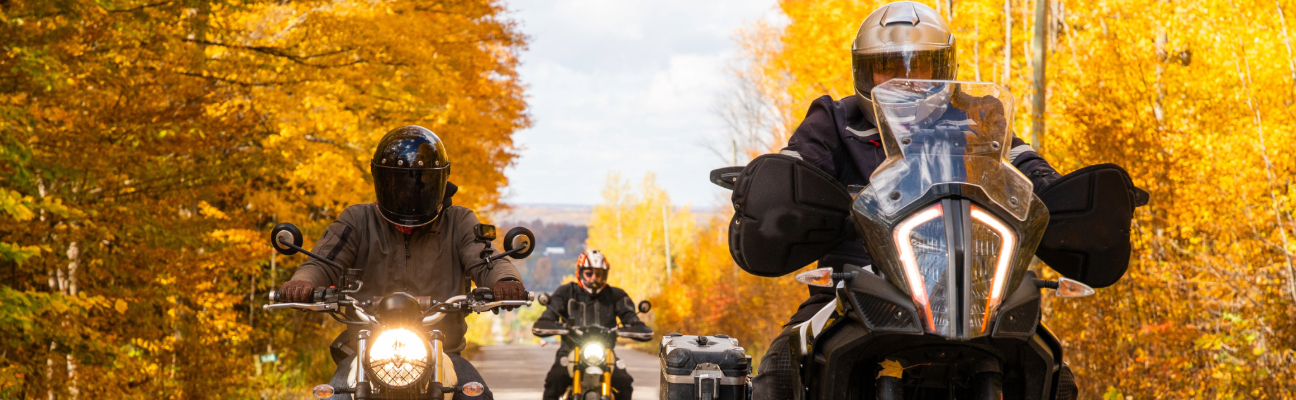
<point x="924" y="254"/>
<point x="593" y="353"/>
<point x="398" y="357"/>
<point x="924" y="245"/>
<point x="991" y="256"/>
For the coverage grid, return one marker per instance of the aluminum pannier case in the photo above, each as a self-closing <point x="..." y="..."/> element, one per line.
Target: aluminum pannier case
<point x="703" y="368"/>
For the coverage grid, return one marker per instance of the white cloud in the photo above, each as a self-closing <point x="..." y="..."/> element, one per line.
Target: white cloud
<point x="623" y="86"/>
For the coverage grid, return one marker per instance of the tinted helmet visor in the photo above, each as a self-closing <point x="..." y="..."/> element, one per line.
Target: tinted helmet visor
<point x="593" y="278"/>
<point x="409" y="196"/>
<point x="873" y="69"/>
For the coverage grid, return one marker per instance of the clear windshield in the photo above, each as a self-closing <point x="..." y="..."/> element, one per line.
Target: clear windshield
<point x="946" y="132"/>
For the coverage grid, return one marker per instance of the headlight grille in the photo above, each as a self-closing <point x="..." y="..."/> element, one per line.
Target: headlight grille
<point x="398" y="357"/>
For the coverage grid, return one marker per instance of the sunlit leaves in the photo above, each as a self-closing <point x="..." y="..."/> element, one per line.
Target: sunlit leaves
<point x="162" y="139"/>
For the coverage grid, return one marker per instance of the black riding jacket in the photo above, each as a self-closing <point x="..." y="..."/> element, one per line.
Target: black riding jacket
<point x="838" y="138"/>
<point x="572" y="306"/>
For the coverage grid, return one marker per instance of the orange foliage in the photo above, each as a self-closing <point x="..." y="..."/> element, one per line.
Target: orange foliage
<point x="1197" y="101"/>
<point x="705" y="292"/>
<point x="146" y="148"/>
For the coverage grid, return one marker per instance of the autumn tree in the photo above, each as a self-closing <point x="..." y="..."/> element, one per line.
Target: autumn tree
<point x="146" y="147"/>
<point x="704" y="292"/>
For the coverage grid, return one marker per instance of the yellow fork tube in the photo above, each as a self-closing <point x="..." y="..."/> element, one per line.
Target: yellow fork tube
<point x="576" y="371"/>
<point x="607" y="375"/>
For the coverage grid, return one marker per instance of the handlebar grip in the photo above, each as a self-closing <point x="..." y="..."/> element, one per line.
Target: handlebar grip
<point x="275" y="297"/>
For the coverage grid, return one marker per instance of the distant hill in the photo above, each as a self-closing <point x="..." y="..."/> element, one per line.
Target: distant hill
<point x="571" y="214"/>
<point x="549" y="213"/>
<point x="561" y="231"/>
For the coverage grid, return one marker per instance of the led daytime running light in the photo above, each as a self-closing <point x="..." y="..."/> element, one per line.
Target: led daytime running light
<point x="910" y="263"/>
<point x="999" y="284"/>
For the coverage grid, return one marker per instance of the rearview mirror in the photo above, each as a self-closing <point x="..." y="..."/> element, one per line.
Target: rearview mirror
<point x="519" y="238"/>
<point x="288" y="233"/>
<point x="645" y="307"/>
<point x="542" y="298"/>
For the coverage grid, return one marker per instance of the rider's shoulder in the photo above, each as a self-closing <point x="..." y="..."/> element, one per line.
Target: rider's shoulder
<point x="458" y="213"/>
<point x="616" y="292"/>
<point x="567" y="289"/>
<point x="842" y="113"/>
<point x="356" y="214"/>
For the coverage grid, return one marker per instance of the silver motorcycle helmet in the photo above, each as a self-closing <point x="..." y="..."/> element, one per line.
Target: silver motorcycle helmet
<point x="900" y="40"/>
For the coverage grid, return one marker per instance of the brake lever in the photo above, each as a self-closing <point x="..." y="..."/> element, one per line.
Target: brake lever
<point x="302" y="306"/>
<point x="484" y="307"/>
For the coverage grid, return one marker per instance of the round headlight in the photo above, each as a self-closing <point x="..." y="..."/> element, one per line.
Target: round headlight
<point x="398" y="357"/>
<point x="593" y="353"/>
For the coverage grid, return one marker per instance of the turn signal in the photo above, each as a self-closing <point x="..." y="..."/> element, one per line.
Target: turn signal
<point x="821" y="277"/>
<point x="322" y="391"/>
<point x="1073" y="288"/>
<point x="473" y="389"/>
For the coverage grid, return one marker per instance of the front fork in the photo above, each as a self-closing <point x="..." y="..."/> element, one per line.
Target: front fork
<point x="606" y="389"/>
<point x="362" y="382"/>
<point x="576" y="371"/>
<point x="607" y="375"/>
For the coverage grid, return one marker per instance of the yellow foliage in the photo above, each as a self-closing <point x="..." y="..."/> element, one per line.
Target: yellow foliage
<point x="705" y="292"/>
<point x="1196" y="101"/>
<point x="146" y="148"/>
<point x="627" y="227"/>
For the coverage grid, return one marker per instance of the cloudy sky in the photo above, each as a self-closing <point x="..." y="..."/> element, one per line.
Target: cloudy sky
<point x="624" y="85"/>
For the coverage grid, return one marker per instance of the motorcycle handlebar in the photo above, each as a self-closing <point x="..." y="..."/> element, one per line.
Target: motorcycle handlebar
<point x="640" y="336"/>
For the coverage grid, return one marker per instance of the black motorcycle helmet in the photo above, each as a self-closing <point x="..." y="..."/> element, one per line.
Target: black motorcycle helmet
<point x="410" y="168"/>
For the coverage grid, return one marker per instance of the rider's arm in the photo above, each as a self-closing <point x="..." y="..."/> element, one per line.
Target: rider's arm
<point x="1032" y="164"/>
<point x="816" y="139"/>
<point x="626" y="312"/>
<point x="470" y="254"/>
<point x="554" y="313"/>
<point x="338" y="245"/>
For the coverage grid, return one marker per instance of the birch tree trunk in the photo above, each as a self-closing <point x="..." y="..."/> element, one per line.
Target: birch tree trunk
<point x="1007" y="47"/>
<point x="1039" y="58"/>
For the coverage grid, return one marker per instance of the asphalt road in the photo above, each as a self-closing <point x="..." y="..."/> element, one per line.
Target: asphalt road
<point x="517" y="372"/>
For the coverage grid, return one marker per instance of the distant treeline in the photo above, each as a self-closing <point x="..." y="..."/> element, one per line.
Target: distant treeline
<point x="545" y="270"/>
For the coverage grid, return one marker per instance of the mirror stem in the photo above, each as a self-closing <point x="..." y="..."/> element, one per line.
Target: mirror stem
<point x="487" y="260"/>
<point x="312" y="255"/>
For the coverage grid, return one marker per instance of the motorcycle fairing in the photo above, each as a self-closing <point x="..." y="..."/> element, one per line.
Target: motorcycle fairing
<point x="787" y="214"/>
<point x="807" y="331"/>
<point x="969" y="220"/>
<point x="1088" y="237"/>
<point x="963" y="281"/>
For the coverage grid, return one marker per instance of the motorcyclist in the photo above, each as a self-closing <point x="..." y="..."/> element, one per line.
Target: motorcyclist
<point x="588" y="301"/>
<point x="898" y="40"/>
<point x="413" y="239"/>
